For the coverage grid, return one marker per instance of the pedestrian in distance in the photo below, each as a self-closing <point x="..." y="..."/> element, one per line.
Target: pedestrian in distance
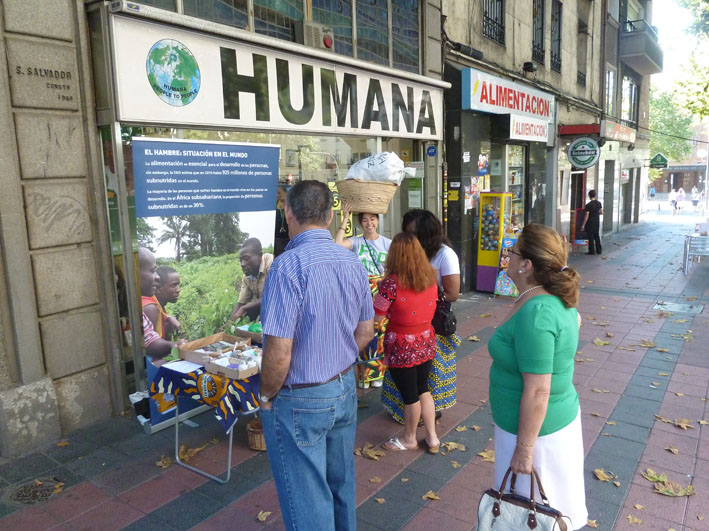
<point x="672" y="198"/>
<point x="681" y="196"/>
<point x="592" y="223"/>
<point x="407" y="296"/>
<point x="534" y="404"/>
<point x="317" y="315"/>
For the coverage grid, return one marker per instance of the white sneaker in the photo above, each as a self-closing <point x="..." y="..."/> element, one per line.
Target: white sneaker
<point x="362" y="385"/>
<point x="377" y="383"/>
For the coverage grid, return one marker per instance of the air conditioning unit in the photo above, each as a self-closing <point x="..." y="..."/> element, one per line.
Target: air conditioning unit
<point x="315" y="35"/>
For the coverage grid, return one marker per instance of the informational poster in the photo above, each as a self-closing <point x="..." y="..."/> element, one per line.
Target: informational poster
<point x="178" y="177"/>
<point x="415" y="193"/>
<point x="469" y="199"/>
<point x="504" y="284"/>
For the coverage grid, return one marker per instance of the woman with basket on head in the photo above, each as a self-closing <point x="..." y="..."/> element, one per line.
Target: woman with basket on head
<point x="407" y="296"/>
<point x="371" y="248"/>
<point x="442" y="378"/>
<point x="534" y="404"/>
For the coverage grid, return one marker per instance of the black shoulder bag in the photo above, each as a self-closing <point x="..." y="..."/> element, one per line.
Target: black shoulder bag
<point x="444" y="321"/>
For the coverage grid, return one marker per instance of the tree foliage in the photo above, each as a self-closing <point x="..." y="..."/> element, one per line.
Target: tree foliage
<point x="669" y="127"/>
<point x="203" y="235"/>
<point x="693" y="88"/>
<point x="145" y="234"/>
<point x="700" y="12"/>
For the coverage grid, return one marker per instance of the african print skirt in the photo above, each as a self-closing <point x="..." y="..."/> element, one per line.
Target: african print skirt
<point x="371" y="360"/>
<point x="441" y="380"/>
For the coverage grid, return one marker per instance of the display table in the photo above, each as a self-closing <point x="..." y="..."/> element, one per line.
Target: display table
<point x="189" y="381"/>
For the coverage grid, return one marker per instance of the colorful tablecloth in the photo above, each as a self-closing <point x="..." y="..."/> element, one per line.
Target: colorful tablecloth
<point x="227" y="396"/>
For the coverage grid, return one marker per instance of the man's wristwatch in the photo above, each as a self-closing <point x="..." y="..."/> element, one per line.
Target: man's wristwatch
<point x="264" y="399"/>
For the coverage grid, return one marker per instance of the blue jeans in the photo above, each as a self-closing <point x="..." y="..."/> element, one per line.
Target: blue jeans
<point x="310" y="436"/>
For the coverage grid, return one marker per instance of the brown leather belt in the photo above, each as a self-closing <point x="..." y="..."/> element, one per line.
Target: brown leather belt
<point x="303" y="386"/>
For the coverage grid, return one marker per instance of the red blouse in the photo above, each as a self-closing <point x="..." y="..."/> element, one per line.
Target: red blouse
<point x="409" y="339"/>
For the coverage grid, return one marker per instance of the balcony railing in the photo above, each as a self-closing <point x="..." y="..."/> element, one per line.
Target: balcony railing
<point x="538" y="53"/>
<point x="555" y="61"/>
<point x="494" y="29"/>
<point x="630" y="26"/>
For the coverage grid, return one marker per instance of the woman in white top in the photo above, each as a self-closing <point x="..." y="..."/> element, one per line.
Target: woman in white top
<point x="371" y="248"/>
<point x="442" y="378"/>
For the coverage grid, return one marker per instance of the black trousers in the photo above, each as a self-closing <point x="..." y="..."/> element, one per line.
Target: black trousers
<point x="594" y="239"/>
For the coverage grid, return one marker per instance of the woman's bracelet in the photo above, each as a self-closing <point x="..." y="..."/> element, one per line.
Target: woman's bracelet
<point x="343" y="229"/>
<point x="525" y="445"/>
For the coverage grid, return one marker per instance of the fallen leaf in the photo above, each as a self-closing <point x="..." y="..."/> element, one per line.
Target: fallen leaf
<point x="590" y="360"/>
<point x="606" y="434"/>
<point x="475" y="427"/>
<point x="38" y="482"/>
<point x="703" y="422"/>
<point x="616" y="483"/>
<point x="589" y="282"/>
<point x="692" y="298"/>
<point x="370" y="452"/>
<point x="375" y="479"/>
<point x="672" y="449"/>
<point x="430" y="495"/>
<point x="485" y="315"/>
<point x="611" y="422"/>
<point x="596" y="390"/>
<point x="601" y="323"/>
<point x="655" y="384"/>
<point x="679" y="394"/>
<point x="670" y="488"/>
<point x="645" y="343"/>
<point x="616" y="300"/>
<point x="603" y="307"/>
<point x="456" y="464"/>
<point x="610" y="334"/>
<point x="700" y="517"/>
<point x="633" y="520"/>
<point x="661" y="349"/>
<point x="450" y="446"/>
<point x="684" y="423"/>
<point x="592" y="523"/>
<point x="599" y="342"/>
<point x="482" y="401"/>
<point x="590" y="318"/>
<point x="380" y="500"/>
<point x="404" y="480"/>
<point x="663" y="419"/>
<point x="639" y="507"/>
<point x="680" y="321"/>
<point x="474" y="338"/>
<point x="662" y="374"/>
<point x="488" y="456"/>
<point x="58" y="488"/>
<point x="461" y="428"/>
<point x="653" y="476"/>
<point x="263" y="515"/>
<point x="164" y="462"/>
<point x="186" y="453"/>
<point x="602" y="475"/>
<point x="595" y="414"/>
<point x="62" y="444"/>
<point x="648" y="320"/>
<point x="626" y="348"/>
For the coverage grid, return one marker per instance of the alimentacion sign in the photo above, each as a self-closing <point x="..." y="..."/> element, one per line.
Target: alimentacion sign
<point x="168" y="75"/>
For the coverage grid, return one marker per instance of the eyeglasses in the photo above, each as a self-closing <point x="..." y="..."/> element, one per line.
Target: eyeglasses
<point x="510" y="250"/>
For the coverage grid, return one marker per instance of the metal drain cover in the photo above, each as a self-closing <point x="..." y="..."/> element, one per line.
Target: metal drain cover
<point x="37" y="491"/>
<point x="679" y="307"/>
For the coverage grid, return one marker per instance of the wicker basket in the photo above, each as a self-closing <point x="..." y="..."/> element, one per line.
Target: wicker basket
<point x="255" y="433"/>
<point x="371" y="197"/>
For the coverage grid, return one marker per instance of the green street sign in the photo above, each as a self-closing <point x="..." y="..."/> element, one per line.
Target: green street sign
<point x="658" y="161"/>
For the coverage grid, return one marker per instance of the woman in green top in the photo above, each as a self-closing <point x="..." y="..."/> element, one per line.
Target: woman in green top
<point x="534" y="404"/>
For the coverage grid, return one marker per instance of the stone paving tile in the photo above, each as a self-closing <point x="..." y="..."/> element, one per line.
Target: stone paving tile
<point x="32" y="518"/>
<point x="429" y="518"/>
<point x="114" y="514"/>
<point x="121" y="479"/>
<point x="27" y="467"/>
<point x="149" y="523"/>
<point x="75" y="501"/>
<point x="188" y="510"/>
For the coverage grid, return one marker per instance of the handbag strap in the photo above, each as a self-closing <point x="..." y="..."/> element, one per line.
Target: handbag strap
<point x="371" y="255"/>
<point x="534" y="477"/>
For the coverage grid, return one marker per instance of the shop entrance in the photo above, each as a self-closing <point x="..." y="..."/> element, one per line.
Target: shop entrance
<point x="578" y="189"/>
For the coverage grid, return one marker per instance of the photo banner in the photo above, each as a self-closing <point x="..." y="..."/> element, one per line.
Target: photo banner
<point x="187" y="177"/>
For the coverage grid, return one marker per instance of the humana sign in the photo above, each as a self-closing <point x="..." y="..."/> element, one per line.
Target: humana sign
<point x="166" y="75"/>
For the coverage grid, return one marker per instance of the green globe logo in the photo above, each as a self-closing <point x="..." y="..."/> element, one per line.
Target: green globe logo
<point x="173" y="72"/>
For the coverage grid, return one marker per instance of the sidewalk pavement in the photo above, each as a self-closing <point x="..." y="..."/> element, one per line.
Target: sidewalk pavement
<point x="655" y="365"/>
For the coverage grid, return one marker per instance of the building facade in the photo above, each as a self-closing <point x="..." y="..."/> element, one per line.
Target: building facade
<point x="330" y="82"/>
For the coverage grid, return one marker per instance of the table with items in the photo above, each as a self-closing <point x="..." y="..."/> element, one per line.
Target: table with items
<point x="216" y="374"/>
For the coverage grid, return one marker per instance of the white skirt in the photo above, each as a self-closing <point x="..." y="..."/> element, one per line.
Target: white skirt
<point x="558" y="458"/>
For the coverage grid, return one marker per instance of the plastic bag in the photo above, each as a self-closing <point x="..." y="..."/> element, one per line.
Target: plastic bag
<point x="382" y="167"/>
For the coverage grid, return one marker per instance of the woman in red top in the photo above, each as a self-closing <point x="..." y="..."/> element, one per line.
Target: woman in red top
<point x="407" y="296"/>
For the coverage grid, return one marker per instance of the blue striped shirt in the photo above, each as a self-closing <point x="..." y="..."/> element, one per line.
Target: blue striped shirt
<point x="316" y="293"/>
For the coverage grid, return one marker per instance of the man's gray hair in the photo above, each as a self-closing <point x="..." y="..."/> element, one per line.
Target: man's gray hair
<point x="310" y="202"/>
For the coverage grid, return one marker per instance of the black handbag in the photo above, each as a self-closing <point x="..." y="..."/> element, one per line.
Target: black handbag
<point x="444" y="321"/>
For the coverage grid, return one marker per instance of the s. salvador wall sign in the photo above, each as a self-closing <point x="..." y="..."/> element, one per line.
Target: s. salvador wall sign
<point x="167" y="75"/>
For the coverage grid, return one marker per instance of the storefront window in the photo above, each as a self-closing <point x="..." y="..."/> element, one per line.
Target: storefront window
<point x="537" y="183"/>
<point x="277" y="19"/>
<point x="232" y="13"/>
<point x="338" y="15"/>
<point x="405" y="34"/>
<point x="372" y="31"/>
<point x="162" y="4"/>
<point x="516" y="175"/>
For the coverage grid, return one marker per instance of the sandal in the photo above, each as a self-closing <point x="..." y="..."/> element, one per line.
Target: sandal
<point x="433" y="449"/>
<point x="394" y="445"/>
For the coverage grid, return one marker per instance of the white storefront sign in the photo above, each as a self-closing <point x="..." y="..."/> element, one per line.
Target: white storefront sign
<point x="484" y="92"/>
<point x="524" y="128"/>
<point x="167" y="75"/>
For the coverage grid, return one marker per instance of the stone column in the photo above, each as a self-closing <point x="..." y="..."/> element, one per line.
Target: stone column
<point x="52" y="228"/>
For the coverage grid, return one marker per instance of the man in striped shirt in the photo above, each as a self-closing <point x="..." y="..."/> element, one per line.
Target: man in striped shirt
<point x="317" y="314"/>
